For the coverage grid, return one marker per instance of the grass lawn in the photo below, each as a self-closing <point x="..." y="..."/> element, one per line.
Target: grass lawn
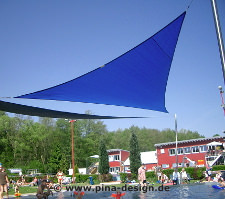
<point x="23" y="190"/>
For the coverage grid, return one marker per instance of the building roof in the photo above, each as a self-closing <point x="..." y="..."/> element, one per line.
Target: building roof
<point x="188" y="141"/>
<point x="148" y="157"/>
<point x="115" y="150"/>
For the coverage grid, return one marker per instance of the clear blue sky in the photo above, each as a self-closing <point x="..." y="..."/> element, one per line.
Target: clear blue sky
<point x="47" y="42"/>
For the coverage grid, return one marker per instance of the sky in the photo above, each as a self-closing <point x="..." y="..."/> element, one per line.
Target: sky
<point x="48" y="42"/>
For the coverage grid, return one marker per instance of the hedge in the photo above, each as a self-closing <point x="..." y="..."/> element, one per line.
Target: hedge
<point x="196" y="173"/>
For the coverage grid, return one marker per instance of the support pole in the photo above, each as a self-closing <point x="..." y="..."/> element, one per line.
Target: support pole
<point x="219" y="35"/>
<point x="175" y="117"/>
<point x="72" y="147"/>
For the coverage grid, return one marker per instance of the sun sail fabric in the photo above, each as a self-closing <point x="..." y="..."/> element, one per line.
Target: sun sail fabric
<point x="42" y="112"/>
<point x="138" y="78"/>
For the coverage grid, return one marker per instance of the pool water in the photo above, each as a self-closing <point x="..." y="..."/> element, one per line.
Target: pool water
<point x="199" y="191"/>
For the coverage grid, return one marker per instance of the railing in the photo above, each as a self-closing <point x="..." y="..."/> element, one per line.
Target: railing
<point x="92" y="167"/>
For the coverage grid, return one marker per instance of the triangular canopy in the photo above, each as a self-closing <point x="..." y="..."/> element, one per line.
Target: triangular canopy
<point x="137" y="78"/>
<point x="42" y="112"/>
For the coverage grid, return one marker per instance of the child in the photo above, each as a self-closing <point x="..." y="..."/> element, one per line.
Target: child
<point x="79" y="194"/>
<point x="118" y="194"/>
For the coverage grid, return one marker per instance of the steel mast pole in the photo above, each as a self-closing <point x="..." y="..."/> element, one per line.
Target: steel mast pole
<point x="219" y="35"/>
<point x="175" y="117"/>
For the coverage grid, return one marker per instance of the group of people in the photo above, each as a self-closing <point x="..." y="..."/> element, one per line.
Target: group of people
<point x="180" y="177"/>
<point x="177" y="177"/>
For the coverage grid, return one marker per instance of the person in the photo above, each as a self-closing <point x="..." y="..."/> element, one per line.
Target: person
<point x="60" y="177"/>
<point x="217" y="177"/>
<point x="141" y="175"/>
<point x="78" y="194"/>
<point x="158" y="173"/>
<point x="222" y="183"/>
<point x="4" y="183"/>
<point x="175" y="177"/>
<point x="183" y="175"/>
<point x="40" y="191"/>
<point x="118" y="194"/>
<point x="164" y="178"/>
<point x="209" y="173"/>
<point x="34" y="182"/>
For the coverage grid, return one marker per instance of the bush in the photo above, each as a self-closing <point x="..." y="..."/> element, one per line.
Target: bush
<point x="105" y="177"/>
<point x="123" y="177"/>
<point x="168" y="172"/>
<point x="151" y="176"/>
<point x="218" y="167"/>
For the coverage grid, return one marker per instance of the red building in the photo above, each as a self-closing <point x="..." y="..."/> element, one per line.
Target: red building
<point x="117" y="157"/>
<point x="195" y="152"/>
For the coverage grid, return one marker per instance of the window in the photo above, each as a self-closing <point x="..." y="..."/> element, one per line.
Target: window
<point x="174" y="165"/>
<point x="110" y="158"/>
<point x="212" y="148"/>
<point x="114" y="169"/>
<point x="203" y="148"/>
<point x="164" y="166"/>
<point x="127" y="168"/>
<point x="172" y="151"/>
<point x="162" y="150"/>
<point x="180" y="151"/>
<point x="180" y="165"/>
<point x="111" y="169"/>
<point x="187" y="150"/>
<point x="116" y="157"/>
<point x="195" y="149"/>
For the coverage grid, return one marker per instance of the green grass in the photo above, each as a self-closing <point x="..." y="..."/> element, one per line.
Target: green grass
<point x="23" y="190"/>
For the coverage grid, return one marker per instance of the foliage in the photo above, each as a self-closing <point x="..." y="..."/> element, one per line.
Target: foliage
<point x="169" y="172"/>
<point x="135" y="156"/>
<point x="103" y="159"/>
<point x="105" y="177"/>
<point x="218" y="167"/>
<point x="46" y="144"/>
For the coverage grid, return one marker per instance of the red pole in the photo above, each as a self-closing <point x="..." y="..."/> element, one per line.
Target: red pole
<point x="72" y="146"/>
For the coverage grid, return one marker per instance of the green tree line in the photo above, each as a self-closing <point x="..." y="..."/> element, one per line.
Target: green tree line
<point x="46" y="144"/>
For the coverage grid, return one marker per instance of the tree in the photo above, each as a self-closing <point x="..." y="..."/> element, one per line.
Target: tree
<point x="135" y="157"/>
<point x="103" y="159"/>
<point x="216" y="135"/>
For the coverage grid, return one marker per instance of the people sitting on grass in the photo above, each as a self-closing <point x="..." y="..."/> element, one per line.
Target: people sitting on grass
<point x="34" y="182"/>
<point x="164" y="178"/>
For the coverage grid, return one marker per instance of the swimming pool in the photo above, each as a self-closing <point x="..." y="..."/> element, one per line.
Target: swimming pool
<point x="199" y="191"/>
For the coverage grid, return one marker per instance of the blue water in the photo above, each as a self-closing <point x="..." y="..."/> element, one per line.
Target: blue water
<point x="175" y="192"/>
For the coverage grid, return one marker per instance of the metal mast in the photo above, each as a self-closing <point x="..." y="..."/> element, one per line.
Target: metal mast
<point x="219" y="35"/>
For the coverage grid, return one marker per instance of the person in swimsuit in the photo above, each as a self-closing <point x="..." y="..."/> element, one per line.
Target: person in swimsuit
<point x="118" y="194"/>
<point x="60" y="177"/>
<point x="141" y="175"/>
<point x="4" y="183"/>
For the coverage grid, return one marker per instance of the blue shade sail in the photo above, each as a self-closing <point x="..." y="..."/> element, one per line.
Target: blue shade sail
<point x="136" y="79"/>
<point x="42" y="112"/>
